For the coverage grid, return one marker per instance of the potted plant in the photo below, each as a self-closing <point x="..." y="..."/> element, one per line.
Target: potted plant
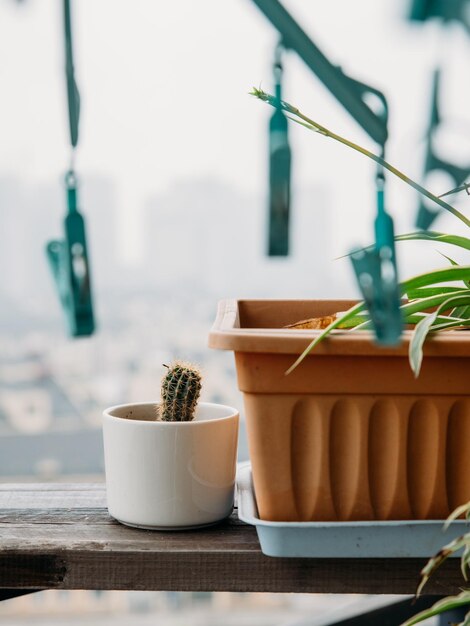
<point x="352" y="432"/>
<point x="171" y="464"/>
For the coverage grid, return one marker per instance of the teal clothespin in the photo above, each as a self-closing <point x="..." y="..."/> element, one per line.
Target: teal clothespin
<point x="376" y="273"/>
<point x="445" y="10"/>
<point x="279" y="172"/>
<point x="68" y="259"/>
<point x="73" y="95"/>
<point x="376" y="268"/>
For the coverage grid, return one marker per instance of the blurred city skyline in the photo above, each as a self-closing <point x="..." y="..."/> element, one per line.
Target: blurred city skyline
<point x="164" y="100"/>
<point x="172" y="168"/>
<point x="201" y="234"/>
<point x="199" y="243"/>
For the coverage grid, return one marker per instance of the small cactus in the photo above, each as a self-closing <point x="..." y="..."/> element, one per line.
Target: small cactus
<point x="180" y="392"/>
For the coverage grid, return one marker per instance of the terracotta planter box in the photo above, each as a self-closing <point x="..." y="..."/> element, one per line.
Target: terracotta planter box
<point x="350" y="434"/>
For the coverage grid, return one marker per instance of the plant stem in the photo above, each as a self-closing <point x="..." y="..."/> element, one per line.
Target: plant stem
<point x="312" y="125"/>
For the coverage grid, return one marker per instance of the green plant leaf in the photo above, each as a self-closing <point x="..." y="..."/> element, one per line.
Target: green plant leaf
<point x="462" y="312"/>
<point x="464" y="187"/>
<point x="425" y="235"/>
<point x="465" y="561"/>
<point x="451" y="261"/>
<point x="456" y="513"/>
<point x="357" y="308"/>
<point x="452" y="602"/>
<point x="441" y="606"/>
<point x="354" y="321"/>
<point x="449" y="325"/>
<point x="420" y="333"/>
<point x="448" y="274"/>
<point x="424" y="304"/>
<point x="422" y="329"/>
<point x="425" y="292"/>
<point x="446" y="321"/>
<point x="429" y="235"/>
<point x="455" y="264"/>
<point x="436" y="561"/>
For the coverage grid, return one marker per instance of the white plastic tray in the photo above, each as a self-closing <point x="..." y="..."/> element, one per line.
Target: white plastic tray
<point x="400" y="539"/>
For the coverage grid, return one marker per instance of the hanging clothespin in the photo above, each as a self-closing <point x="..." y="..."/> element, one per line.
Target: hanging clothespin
<point x="68" y="259"/>
<point x="376" y="270"/>
<point x="376" y="273"/>
<point x="73" y="95"/>
<point x="279" y="170"/>
<point x="445" y="10"/>
<point x="433" y="163"/>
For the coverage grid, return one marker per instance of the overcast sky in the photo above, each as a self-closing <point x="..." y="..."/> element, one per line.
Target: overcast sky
<point x="164" y="97"/>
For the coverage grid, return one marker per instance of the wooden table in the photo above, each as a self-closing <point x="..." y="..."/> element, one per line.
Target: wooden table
<point x="58" y="536"/>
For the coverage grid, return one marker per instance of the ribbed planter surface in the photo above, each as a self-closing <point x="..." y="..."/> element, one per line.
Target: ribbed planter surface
<point x="350" y="434"/>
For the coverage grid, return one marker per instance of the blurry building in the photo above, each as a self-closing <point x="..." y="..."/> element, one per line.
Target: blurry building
<point x="43" y="435"/>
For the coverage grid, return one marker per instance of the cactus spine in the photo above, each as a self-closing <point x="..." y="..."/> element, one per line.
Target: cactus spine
<point x="180" y="392"/>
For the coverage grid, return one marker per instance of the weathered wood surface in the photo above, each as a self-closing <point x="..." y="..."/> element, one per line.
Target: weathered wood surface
<point x="61" y="537"/>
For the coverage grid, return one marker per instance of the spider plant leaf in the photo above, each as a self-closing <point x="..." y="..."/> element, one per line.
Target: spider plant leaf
<point x="462" y="311"/>
<point x="455" y="264"/>
<point x="425" y="292"/>
<point x="465" y="561"/>
<point x="456" y="513"/>
<point x="414" y="318"/>
<point x="441" y="606"/>
<point x="354" y="310"/>
<point x="353" y="322"/>
<point x="309" y="126"/>
<point x="442" y="275"/>
<point x="451" y="261"/>
<point x="429" y="235"/>
<point x="422" y="329"/>
<point x="420" y="333"/>
<point x="449" y="325"/>
<point x="455" y="240"/>
<point x="463" y="187"/>
<point x="446" y="321"/>
<point x="424" y="304"/>
<point x="447" y="274"/>
<point x="438" y="559"/>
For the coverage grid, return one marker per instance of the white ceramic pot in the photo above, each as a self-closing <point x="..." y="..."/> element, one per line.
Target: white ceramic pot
<point x="167" y="475"/>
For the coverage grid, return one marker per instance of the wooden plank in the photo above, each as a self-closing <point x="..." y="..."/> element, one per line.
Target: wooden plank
<point x="58" y="537"/>
<point x="87" y="529"/>
<point x="192" y="571"/>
